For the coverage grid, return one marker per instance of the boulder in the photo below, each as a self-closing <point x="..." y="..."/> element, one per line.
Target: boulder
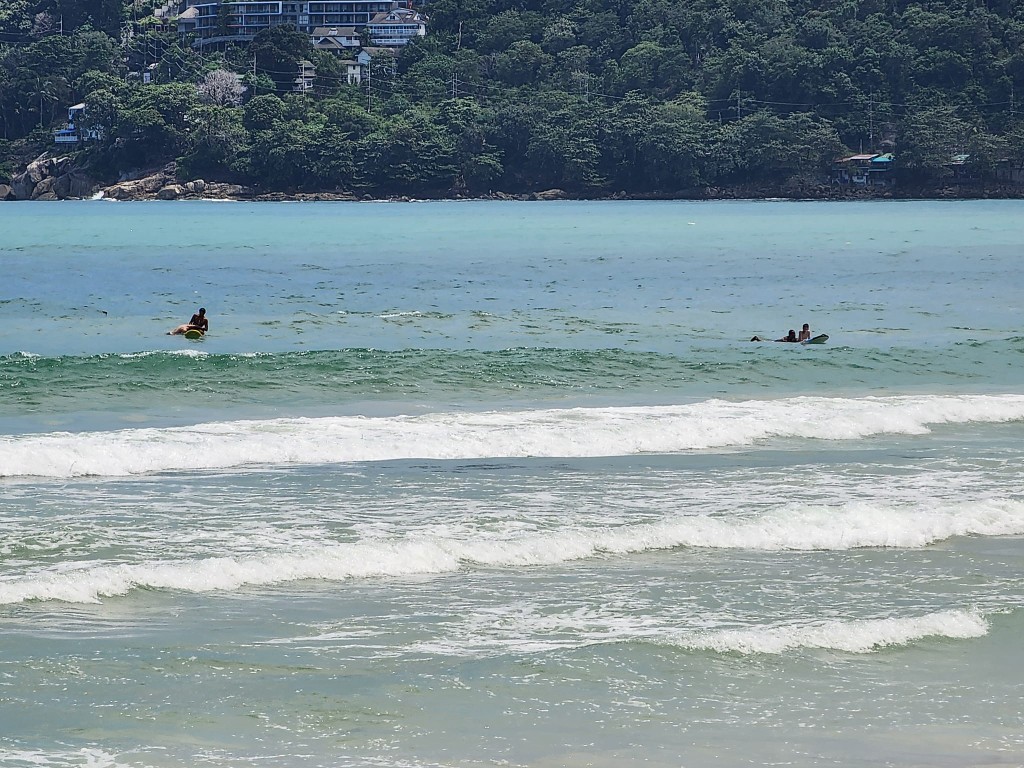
<point x="170" y="192"/>
<point x="44" y="187"/>
<point x="73" y="185"/>
<point x="79" y="185"/>
<point x="37" y="170"/>
<point x="126" y="190"/>
<point x="227" y="191"/>
<point x="550" y="194"/>
<point x="153" y="184"/>
<point x="61" y="186"/>
<point x="6" y="193"/>
<point x="22" y="186"/>
<point x="47" y="196"/>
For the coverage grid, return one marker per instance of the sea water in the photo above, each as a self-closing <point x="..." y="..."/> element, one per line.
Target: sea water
<point x="481" y="483"/>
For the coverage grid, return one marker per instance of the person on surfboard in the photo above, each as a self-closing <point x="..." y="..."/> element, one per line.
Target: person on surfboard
<point x="197" y="323"/>
<point x="805" y="335"/>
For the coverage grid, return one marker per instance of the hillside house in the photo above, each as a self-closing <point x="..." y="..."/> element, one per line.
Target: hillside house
<point x="75" y="131"/>
<point x="864" y="170"/>
<point x="336" y="39"/>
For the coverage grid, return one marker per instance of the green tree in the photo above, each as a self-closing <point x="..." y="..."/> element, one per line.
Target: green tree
<point x="763" y="146"/>
<point x="524" y="62"/>
<point x="281" y="156"/>
<point x="563" y="151"/>
<point x="263" y="112"/>
<point x="104" y="15"/>
<point x="676" y="144"/>
<point x="154" y="123"/>
<point x="408" y="154"/>
<point x="215" y="145"/>
<point x="15" y="17"/>
<point x="929" y="141"/>
<point x="278" y="51"/>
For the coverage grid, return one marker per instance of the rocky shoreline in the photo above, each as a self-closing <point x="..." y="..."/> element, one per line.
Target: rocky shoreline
<point x="58" y="178"/>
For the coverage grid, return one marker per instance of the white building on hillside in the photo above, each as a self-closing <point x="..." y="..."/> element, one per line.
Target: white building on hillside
<point x="335" y="39"/>
<point x="396" y="27"/>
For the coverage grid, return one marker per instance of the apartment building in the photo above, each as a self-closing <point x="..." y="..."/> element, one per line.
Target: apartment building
<point x="217" y="21"/>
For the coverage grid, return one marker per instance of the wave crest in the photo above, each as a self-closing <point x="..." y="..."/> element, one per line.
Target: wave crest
<point x="858" y="636"/>
<point x="785" y="529"/>
<point x="575" y="432"/>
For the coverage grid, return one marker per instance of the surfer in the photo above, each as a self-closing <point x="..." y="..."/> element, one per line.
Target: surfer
<point x="197" y="323"/>
<point x="805" y="335"/>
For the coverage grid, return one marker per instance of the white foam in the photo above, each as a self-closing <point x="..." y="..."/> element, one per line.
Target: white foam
<point x="71" y="758"/>
<point x="523" y="629"/>
<point x="857" y="636"/>
<point x="787" y="528"/>
<point x="577" y="432"/>
<point x="164" y="353"/>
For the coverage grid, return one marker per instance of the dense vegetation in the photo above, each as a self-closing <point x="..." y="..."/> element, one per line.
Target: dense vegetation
<point x="590" y="96"/>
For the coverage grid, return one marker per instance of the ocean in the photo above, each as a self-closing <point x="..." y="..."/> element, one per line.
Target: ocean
<point x="463" y="484"/>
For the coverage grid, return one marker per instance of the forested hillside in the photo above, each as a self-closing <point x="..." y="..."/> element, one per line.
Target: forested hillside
<point x="594" y="97"/>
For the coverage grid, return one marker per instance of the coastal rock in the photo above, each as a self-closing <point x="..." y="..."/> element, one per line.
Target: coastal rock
<point x="22" y="186"/>
<point x="162" y="186"/>
<point x="44" y="187"/>
<point x="50" y="178"/>
<point x="61" y="186"/>
<point x="6" y="193"/>
<point x="550" y="194"/>
<point x="125" y="190"/>
<point x="72" y="186"/>
<point x="58" y="166"/>
<point x="170" y="192"/>
<point x="137" y="189"/>
<point x="37" y="170"/>
<point x="153" y="184"/>
<point x="227" y="191"/>
<point x="79" y="185"/>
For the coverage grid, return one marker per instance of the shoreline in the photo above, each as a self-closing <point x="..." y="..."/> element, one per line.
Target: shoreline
<point x="253" y="196"/>
<point x="57" y="178"/>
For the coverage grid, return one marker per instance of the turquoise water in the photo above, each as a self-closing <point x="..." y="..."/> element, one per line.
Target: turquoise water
<point x="462" y="484"/>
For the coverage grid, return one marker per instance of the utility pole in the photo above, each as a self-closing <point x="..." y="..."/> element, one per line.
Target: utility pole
<point x="583" y="83"/>
<point x="871" y="123"/>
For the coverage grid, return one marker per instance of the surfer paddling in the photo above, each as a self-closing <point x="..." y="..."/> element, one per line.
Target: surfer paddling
<point x="197" y="323"/>
<point x="805" y="335"/>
